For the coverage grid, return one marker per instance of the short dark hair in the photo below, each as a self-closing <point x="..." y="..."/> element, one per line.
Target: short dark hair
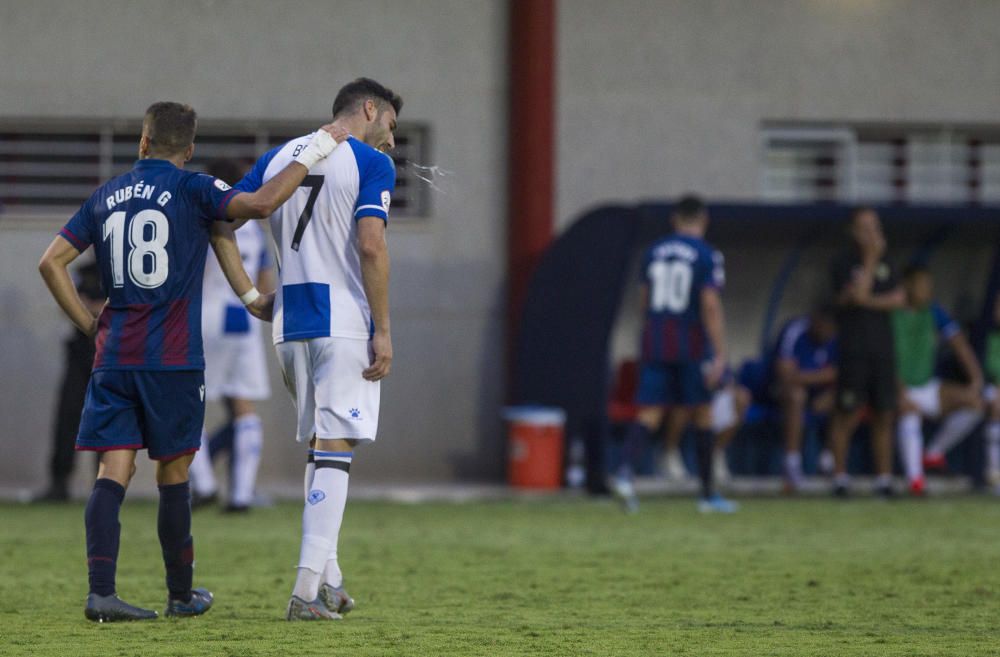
<point x="226" y="169"/>
<point x="689" y="207"/>
<point x="352" y="94"/>
<point x="170" y="127"/>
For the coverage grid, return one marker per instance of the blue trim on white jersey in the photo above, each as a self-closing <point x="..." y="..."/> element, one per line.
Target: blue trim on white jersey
<point x="306" y="311"/>
<point x="254" y="179"/>
<point x="376" y="181"/>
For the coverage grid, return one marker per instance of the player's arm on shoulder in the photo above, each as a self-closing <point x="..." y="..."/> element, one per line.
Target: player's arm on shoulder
<point x="374" y="254"/>
<point x="54" y="270"/>
<point x="227" y="252"/>
<point x="264" y="201"/>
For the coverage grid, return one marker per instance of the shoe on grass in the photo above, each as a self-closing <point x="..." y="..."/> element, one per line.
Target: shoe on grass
<point x="299" y="609"/>
<point x="111" y="609"/>
<point x="716" y="503"/>
<point x="336" y="599"/>
<point x="201" y="601"/>
<point x="624" y="491"/>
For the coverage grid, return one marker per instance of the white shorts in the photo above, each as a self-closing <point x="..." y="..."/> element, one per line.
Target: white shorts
<point x="927" y="398"/>
<point x="236" y="367"/>
<point x="724" y="415"/>
<point x="331" y="398"/>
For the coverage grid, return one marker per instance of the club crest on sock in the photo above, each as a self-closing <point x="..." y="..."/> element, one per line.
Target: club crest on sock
<point x="315" y="497"/>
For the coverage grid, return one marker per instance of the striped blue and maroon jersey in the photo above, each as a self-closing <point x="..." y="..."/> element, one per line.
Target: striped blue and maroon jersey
<point x="150" y="229"/>
<point x="675" y="270"/>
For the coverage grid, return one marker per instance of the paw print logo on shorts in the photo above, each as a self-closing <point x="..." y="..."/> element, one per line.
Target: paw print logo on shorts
<point x="355" y="414"/>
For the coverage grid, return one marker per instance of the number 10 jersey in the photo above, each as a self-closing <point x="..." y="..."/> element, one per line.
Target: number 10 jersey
<point x="321" y="292"/>
<point x="675" y="271"/>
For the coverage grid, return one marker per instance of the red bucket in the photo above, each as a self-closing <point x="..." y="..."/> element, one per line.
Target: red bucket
<point x="534" y="446"/>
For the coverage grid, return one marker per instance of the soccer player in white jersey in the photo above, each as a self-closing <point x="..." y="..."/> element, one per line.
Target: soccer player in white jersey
<point x="235" y="363"/>
<point x="331" y="319"/>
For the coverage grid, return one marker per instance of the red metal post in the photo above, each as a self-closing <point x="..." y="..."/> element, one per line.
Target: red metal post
<point x="531" y="161"/>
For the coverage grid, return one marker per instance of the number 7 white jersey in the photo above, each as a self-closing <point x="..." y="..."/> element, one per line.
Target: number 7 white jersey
<point x="315" y="232"/>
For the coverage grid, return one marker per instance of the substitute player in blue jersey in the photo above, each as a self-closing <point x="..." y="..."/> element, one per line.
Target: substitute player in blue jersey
<point x="683" y="338"/>
<point x="150" y="229"/>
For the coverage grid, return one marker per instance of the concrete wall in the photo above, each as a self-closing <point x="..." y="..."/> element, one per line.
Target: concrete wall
<point x="660" y="97"/>
<point x="654" y="97"/>
<point x="257" y="59"/>
<point x="657" y="97"/>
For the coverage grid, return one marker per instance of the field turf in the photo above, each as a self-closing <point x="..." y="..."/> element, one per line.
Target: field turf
<point x="559" y="577"/>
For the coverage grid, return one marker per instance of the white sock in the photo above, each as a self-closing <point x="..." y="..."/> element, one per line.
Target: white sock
<point x="248" y="439"/>
<point x="883" y="481"/>
<point x="910" y="435"/>
<point x="993" y="445"/>
<point x="321" y="519"/>
<point x="332" y="574"/>
<point x="954" y="428"/>
<point x="793" y="466"/>
<point x="202" y="476"/>
<point x="307" y="481"/>
<point x="842" y="479"/>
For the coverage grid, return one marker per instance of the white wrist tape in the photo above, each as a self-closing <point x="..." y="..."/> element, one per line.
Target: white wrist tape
<point x="322" y="144"/>
<point x="249" y="297"/>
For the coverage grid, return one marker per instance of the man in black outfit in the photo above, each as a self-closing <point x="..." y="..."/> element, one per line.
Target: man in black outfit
<point x="867" y="291"/>
<point x="72" y="391"/>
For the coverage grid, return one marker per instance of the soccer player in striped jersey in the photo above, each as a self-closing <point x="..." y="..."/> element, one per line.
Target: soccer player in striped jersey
<point x="683" y="340"/>
<point x="331" y="319"/>
<point x="150" y="229"/>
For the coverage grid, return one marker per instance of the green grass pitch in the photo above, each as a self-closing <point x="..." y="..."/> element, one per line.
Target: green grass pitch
<point x="558" y="577"/>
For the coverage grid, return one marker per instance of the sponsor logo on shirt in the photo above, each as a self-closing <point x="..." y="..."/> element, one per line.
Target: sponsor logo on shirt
<point x="221" y="185"/>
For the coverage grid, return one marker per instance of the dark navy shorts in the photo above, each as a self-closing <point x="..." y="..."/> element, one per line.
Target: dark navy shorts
<point x="162" y="411"/>
<point x="672" y="384"/>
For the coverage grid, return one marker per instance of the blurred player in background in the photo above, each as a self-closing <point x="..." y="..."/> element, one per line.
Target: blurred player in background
<point x="991" y="364"/>
<point x="804" y="377"/>
<point x="73" y="389"/>
<point x="683" y="349"/>
<point x="150" y="229"/>
<point x="331" y="320"/>
<point x="867" y="292"/>
<point x="920" y="327"/>
<point x="730" y="402"/>
<point x="235" y="362"/>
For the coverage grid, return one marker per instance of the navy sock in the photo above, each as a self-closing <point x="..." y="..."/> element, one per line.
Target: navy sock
<point x="174" y="528"/>
<point x="634" y="438"/>
<point x="103" y="534"/>
<point x="705" y="443"/>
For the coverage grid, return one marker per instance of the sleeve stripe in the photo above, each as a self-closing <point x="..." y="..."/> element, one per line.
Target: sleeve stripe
<point x="220" y="210"/>
<point x="77" y="243"/>
<point x="369" y="207"/>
